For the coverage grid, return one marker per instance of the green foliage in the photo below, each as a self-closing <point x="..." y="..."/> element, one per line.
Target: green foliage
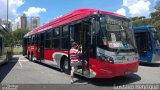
<point x="9" y="40"/>
<point x="153" y="21"/>
<point x="15" y="37"/>
<point x="140" y="21"/>
<point x="18" y="35"/>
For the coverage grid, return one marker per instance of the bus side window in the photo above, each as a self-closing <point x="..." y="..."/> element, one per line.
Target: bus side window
<point x="29" y="40"/>
<point x="71" y="33"/>
<point x="56" y="38"/>
<point x="64" y="39"/>
<point x="48" y="39"/>
<point x="33" y="39"/>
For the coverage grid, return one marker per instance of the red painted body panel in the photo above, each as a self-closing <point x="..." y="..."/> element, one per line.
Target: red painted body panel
<point x="48" y="54"/>
<point x="105" y="69"/>
<point x="75" y="15"/>
<point x="32" y="48"/>
<point x="102" y="69"/>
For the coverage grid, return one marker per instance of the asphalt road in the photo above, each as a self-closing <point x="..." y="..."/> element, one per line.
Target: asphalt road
<point x="20" y="74"/>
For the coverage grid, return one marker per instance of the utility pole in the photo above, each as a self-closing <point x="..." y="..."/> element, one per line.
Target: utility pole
<point x="7" y="15"/>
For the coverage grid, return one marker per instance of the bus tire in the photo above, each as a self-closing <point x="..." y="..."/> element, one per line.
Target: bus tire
<point x="28" y="55"/>
<point x="65" y="66"/>
<point x="31" y="56"/>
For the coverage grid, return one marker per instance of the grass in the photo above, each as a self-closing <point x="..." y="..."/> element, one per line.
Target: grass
<point x="17" y="50"/>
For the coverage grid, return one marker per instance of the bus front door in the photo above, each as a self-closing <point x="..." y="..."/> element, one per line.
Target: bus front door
<point x="83" y="40"/>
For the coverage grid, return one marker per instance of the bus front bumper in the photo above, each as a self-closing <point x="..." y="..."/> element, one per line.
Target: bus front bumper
<point x="108" y="70"/>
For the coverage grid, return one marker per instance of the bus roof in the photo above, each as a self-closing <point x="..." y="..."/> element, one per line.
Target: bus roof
<point x="142" y="28"/>
<point x="75" y="15"/>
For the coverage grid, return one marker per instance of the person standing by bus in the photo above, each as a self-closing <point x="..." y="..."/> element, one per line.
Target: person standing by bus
<point x="74" y="55"/>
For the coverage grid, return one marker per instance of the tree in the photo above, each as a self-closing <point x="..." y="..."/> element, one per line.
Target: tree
<point x="153" y="21"/>
<point x="155" y="16"/>
<point x="140" y="21"/>
<point x="16" y="37"/>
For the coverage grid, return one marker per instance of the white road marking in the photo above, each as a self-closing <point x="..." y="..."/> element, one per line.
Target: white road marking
<point x="20" y="63"/>
<point x="19" y="60"/>
<point x="23" y="60"/>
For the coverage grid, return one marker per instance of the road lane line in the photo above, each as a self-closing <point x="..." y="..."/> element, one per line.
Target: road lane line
<point x="20" y="63"/>
<point x="19" y="60"/>
<point x="22" y="60"/>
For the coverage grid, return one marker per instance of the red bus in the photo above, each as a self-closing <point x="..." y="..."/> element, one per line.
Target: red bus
<point x="107" y="40"/>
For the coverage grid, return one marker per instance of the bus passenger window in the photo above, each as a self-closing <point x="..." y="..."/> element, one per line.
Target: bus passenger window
<point x="55" y="38"/>
<point x="48" y="39"/>
<point x="65" y="44"/>
<point x="56" y="32"/>
<point x="56" y="43"/>
<point x="64" y="39"/>
<point x="65" y="31"/>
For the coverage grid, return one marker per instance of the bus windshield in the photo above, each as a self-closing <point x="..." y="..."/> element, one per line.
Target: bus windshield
<point x="156" y="36"/>
<point x="117" y="33"/>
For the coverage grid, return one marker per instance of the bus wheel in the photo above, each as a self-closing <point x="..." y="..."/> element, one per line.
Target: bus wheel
<point x="28" y="55"/>
<point x="65" y="66"/>
<point x="32" y="57"/>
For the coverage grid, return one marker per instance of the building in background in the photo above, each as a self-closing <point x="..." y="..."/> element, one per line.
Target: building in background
<point x="15" y="26"/>
<point x="35" y="22"/>
<point x="23" y="22"/>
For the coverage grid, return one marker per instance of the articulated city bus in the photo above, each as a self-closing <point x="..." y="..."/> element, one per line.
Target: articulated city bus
<point x="148" y="43"/>
<point x="5" y="51"/>
<point x="108" y="47"/>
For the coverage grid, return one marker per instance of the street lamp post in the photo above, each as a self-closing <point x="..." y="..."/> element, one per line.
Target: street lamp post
<point x="7" y="15"/>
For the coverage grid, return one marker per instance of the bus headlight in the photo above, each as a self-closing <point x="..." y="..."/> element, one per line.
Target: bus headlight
<point x="111" y="60"/>
<point x="108" y="59"/>
<point x="105" y="58"/>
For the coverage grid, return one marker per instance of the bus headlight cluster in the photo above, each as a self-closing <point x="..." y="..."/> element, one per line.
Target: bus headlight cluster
<point x="107" y="58"/>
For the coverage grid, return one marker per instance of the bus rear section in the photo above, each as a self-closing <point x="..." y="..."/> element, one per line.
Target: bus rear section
<point x="148" y="43"/>
<point x="106" y="40"/>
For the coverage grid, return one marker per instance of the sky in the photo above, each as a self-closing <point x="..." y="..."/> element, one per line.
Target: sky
<point x="48" y="10"/>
